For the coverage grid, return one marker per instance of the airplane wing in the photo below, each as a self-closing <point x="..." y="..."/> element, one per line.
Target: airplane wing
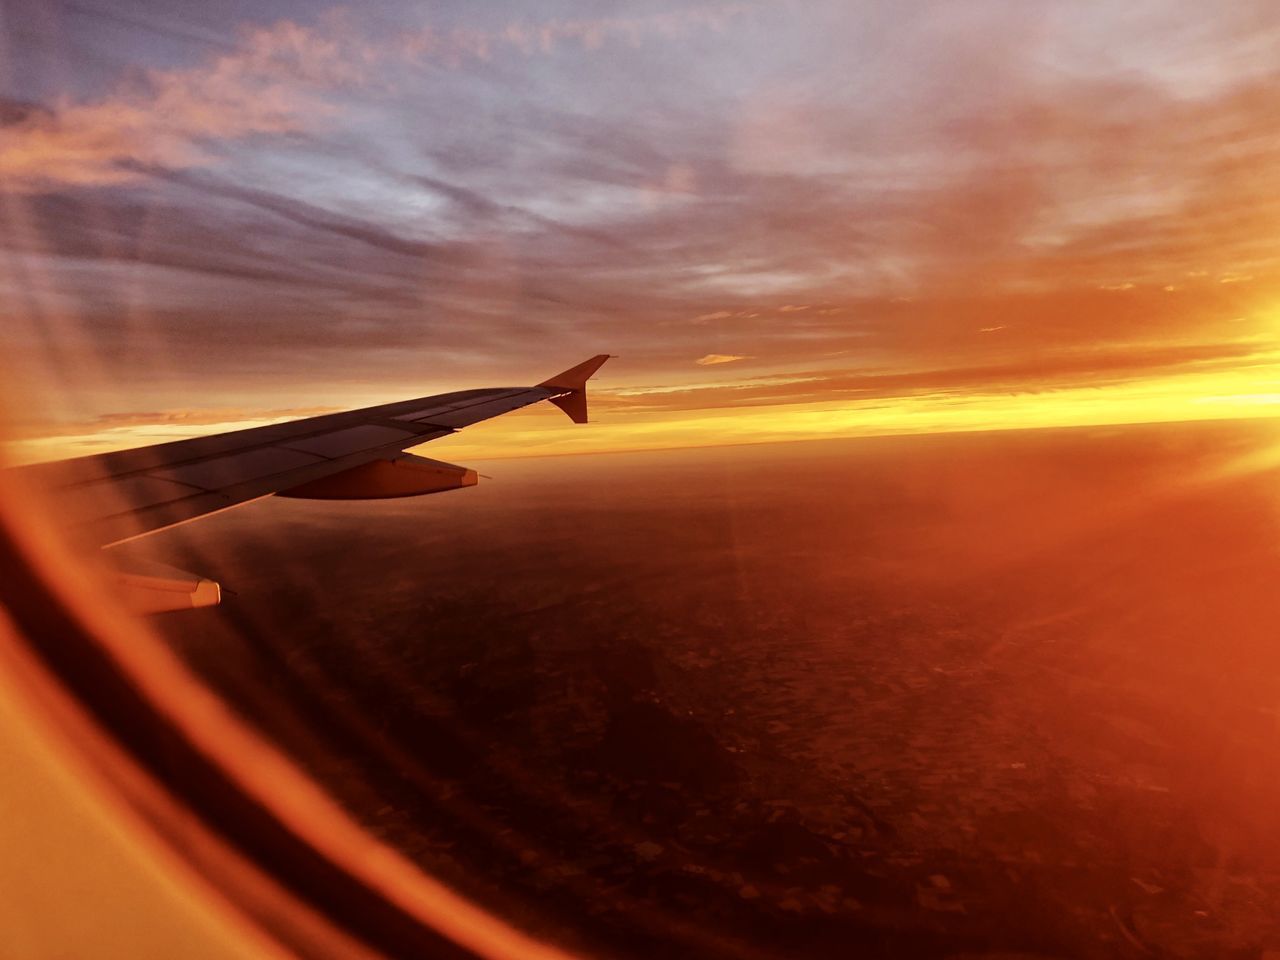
<point x="354" y="455"/>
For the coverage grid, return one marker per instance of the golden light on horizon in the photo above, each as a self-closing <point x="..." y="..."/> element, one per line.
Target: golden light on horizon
<point x="1249" y="392"/>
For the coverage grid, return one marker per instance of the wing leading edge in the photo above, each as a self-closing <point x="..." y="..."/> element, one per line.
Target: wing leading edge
<point x="357" y="454"/>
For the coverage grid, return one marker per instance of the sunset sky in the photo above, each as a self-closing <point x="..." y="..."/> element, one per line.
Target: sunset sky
<point x="788" y="219"/>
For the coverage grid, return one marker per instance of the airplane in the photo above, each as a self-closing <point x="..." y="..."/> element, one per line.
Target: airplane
<point x="111" y="498"/>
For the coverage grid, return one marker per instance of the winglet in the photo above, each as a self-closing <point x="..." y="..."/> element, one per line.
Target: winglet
<point x="573" y="383"/>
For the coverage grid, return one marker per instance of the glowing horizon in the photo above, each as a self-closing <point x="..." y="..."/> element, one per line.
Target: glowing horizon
<point x="1187" y="397"/>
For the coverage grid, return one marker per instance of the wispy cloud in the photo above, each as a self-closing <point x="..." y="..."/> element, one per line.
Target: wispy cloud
<point x="1094" y="368"/>
<point x="271" y="83"/>
<point x="964" y="199"/>
<point x="276" y="80"/>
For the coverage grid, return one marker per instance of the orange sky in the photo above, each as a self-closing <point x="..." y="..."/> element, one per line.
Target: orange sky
<point x="847" y="220"/>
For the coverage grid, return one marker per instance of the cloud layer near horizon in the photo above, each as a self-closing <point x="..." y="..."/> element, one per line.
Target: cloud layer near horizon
<point x="323" y="208"/>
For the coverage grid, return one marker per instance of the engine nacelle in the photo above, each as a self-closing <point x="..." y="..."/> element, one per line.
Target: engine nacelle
<point x="405" y="475"/>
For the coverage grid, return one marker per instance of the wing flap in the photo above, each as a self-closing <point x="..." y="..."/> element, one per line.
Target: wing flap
<point x="218" y="473"/>
<point x="155" y="588"/>
<point x="138" y="492"/>
<point x="473" y="413"/>
<point x="351" y="440"/>
<point x="472" y="398"/>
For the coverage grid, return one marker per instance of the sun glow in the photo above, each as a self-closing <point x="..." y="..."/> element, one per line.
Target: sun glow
<point x="1242" y="394"/>
<point x="1248" y="392"/>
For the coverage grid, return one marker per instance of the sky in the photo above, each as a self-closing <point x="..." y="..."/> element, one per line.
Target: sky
<point x="787" y="219"/>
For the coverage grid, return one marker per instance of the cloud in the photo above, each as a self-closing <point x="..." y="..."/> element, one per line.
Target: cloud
<point x="400" y="201"/>
<point x="301" y="213"/>
<point x="270" y="84"/>
<point x="1097" y="368"/>
<point x="13" y="112"/>
<point x="276" y="80"/>
<point x="712" y="359"/>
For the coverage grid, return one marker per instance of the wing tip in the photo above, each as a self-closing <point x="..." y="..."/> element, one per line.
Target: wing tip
<point x="575" y="378"/>
<point x="572" y="384"/>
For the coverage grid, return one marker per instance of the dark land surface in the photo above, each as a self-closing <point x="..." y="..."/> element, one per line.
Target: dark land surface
<point x="1012" y="694"/>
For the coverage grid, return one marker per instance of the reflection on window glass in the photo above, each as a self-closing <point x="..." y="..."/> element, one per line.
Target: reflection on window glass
<point x="903" y="584"/>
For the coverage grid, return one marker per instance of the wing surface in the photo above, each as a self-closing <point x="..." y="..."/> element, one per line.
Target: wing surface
<point x="113" y="497"/>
